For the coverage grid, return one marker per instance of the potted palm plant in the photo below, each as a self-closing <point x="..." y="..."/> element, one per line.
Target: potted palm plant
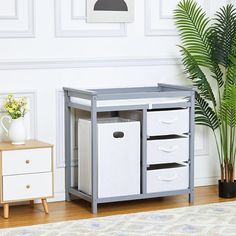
<point x="209" y="56"/>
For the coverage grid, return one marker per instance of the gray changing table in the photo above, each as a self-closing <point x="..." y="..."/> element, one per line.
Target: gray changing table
<point x="136" y="99"/>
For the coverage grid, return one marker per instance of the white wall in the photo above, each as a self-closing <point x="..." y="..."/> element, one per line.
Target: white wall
<point x="47" y="44"/>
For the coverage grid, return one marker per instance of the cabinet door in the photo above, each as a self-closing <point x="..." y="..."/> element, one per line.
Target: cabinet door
<point x="118" y="159"/>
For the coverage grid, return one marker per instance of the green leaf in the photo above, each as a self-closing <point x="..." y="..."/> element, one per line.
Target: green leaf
<point x="228" y="107"/>
<point x="222" y="34"/>
<point x="193" y="25"/>
<point x="204" y="113"/>
<point x="231" y="72"/>
<point x="197" y="76"/>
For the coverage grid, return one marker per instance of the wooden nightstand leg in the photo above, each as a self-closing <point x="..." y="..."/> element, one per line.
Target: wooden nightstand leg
<point x="31" y="203"/>
<point x="6" y="210"/>
<point x="45" y="205"/>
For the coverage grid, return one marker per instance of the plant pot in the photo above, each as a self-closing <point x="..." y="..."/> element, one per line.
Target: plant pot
<point x="227" y="190"/>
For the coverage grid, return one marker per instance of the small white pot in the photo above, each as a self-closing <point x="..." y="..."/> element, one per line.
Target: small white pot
<point x="17" y="131"/>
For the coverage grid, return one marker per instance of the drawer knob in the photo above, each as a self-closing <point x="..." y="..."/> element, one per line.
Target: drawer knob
<point x="27" y="161"/>
<point x="28" y="186"/>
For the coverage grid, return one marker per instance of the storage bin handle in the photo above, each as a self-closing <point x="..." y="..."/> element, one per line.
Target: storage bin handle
<point x="168" y="149"/>
<point x="168" y="179"/>
<point x="118" y="134"/>
<point x="169" y="121"/>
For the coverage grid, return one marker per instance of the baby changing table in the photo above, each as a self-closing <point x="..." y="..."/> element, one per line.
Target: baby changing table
<point x="166" y="116"/>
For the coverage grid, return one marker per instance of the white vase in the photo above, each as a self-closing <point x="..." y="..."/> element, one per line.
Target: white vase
<point x="16" y="131"/>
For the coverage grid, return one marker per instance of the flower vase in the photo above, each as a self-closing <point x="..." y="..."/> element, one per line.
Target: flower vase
<point x="16" y="131"/>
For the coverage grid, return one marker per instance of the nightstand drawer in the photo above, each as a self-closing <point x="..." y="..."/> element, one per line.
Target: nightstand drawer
<point x="167" y="122"/>
<point x="26" y="161"/>
<point x="168" y="179"/>
<point x="168" y="150"/>
<point x="21" y="187"/>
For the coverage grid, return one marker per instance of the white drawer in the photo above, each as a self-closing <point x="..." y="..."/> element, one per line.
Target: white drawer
<point x="167" y="150"/>
<point x="167" y="122"/>
<point x="162" y="180"/>
<point x="21" y="187"/>
<point x="26" y="161"/>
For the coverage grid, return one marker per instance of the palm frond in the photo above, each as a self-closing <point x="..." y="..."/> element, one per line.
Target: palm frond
<point x="192" y="23"/>
<point x="197" y="76"/>
<point x="231" y="75"/>
<point x="228" y="107"/>
<point x="222" y="34"/>
<point x="231" y="72"/>
<point x="213" y="48"/>
<point x="204" y="113"/>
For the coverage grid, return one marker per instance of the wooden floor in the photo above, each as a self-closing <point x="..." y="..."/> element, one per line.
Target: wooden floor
<point x="79" y="209"/>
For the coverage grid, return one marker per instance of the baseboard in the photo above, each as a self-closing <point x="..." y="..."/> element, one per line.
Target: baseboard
<point x="58" y="197"/>
<point x="206" y="181"/>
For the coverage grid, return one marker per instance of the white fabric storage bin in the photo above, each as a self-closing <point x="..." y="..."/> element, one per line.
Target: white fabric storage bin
<point x="168" y="179"/>
<point x="168" y="122"/>
<point x="118" y="157"/>
<point x="168" y="150"/>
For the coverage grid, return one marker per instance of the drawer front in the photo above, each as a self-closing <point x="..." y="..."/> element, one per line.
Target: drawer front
<point x="167" y="150"/>
<point x="167" y="179"/>
<point x="20" y="187"/>
<point x="167" y="122"/>
<point x="26" y="161"/>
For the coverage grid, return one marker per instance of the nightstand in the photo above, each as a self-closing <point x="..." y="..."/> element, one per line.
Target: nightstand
<point x="26" y="173"/>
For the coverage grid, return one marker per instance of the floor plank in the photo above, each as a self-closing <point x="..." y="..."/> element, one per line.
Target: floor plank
<point x="79" y="209"/>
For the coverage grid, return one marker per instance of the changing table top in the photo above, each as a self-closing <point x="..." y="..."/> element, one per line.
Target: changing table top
<point x="131" y="102"/>
<point x="134" y="96"/>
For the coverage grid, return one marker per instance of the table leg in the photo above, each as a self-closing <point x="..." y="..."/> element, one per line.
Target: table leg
<point x="6" y="210"/>
<point x="45" y="205"/>
<point x="31" y="203"/>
